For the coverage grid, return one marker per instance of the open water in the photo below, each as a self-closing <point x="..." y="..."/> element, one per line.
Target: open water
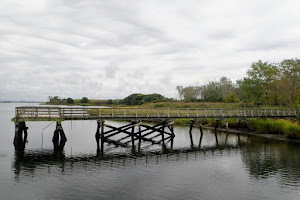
<point x="235" y="167"/>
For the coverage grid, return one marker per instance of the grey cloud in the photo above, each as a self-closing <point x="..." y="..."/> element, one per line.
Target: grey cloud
<point x="108" y="49"/>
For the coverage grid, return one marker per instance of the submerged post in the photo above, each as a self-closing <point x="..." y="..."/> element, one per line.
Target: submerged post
<point x="190" y="132"/>
<point x="59" y="138"/>
<point x="19" y="140"/>
<point x="102" y="136"/>
<point x="55" y="138"/>
<point x="201" y="134"/>
<point x="132" y="135"/>
<point x="97" y="135"/>
<point x="216" y="136"/>
<point x="162" y="134"/>
<point x="140" y="137"/>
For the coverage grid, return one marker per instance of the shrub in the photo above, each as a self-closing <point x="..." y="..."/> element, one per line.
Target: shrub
<point x="292" y="131"/>
<point x="84" y="100"/>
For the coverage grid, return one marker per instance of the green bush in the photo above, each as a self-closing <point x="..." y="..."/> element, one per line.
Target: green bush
<point x="292" y="131"/>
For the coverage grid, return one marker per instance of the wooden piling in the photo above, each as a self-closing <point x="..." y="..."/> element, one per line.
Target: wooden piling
<point x="132" y="136"/>
<point x="190" y="132"/>
<point x="55" y="138"/>
<point x="102" y="136"/>
<point x="216" y="136"/>
<point x="239" y="124"/>
<point x="97" y="135"/>
<point x="201" y="134"/>
<point x="162" y="133"/>
<point x="140" y="138"/>
<point x="226" y="124"/>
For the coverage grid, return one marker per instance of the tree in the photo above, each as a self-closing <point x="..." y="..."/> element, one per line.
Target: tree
<point x="191" y="93"/>
<point x="84" y="100"/>
<point x="232" y="98"/>
<point x="211" y="92"/>
<point x="139" y="99"/>
<point x="70" y="101"/>
<point x="259" y="85"/>
<point x="109" y="101"/>
<point x="289" y="83"/>
<point x="180" y="91"/>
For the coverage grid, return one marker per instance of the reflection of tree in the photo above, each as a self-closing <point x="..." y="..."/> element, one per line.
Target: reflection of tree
<point x="264" y="159"/>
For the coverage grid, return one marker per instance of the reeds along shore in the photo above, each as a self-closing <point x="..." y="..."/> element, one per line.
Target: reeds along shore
<point x="290" y="129"/>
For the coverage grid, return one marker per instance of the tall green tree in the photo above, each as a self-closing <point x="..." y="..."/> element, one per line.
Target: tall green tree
<point x="289" y="84"/>
<point x="259" y="85"/>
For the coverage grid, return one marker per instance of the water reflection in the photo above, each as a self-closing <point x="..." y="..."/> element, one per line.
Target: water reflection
<point x="259" y="159"/>
<point x="264" y="158"/>
<point x="28" y="162"/>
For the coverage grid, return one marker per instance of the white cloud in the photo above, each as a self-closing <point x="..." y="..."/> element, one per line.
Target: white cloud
<point x="110" y="49"/>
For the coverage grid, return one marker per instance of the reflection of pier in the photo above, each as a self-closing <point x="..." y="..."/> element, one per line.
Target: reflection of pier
<point x="42" y="162"/>
<point x="136" y="132"/>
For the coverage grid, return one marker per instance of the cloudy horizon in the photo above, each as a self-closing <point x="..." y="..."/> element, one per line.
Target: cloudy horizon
<point x="111" y="49"/>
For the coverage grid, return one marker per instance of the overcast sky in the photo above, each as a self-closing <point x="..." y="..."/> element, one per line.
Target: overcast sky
<point x="112" y="48"/>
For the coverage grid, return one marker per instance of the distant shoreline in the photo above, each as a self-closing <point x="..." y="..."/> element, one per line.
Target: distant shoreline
<point x="22" y="102"/>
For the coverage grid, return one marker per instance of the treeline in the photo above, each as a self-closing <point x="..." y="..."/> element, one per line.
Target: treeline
<point x="133" y="99"/>
<point x="139" y="99"/>
<point x="56" y="100"/>
<point x="265" y="83"/>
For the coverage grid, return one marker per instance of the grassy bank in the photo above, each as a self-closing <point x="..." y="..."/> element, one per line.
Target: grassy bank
<point x="290" y="129"/>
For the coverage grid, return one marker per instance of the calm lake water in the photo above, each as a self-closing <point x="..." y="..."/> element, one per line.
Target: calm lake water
<point x="235" y="168"/>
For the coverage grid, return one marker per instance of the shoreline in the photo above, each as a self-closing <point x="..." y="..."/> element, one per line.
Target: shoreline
<point x="277" y="137"/>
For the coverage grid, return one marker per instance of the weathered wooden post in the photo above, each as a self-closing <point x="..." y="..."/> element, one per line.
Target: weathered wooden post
<point x="59" y="138"/>
<point x="55" y="138"/>
<point x="19" y="140"/>
<point x="201" y="133"/>
<point x="239" y="124"/>
<point x="216" y="136"/>
<point x="102" y="136"/>
<point x="132" y="135"/>
<point x="97" y="135"/>
<point x="173" y="135"/>
<point x="226" y="124"/>
<point x="63" y="138"/>
<point x="190" y="132"/>
<point x="163" y="134"/>
<point x="140" y="137"/>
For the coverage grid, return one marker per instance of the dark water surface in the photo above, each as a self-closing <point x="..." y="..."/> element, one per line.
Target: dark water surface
<point x="237" y="168"/>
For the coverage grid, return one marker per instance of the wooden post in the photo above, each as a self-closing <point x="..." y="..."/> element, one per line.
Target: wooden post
<point x="102" y="137"/>
<point x="17" y="136"/>
<point x="63" y="138"/>
<point x="239" y="124"/>
<point x="55" y="138"/>
<point x="190" y="132"/>
<point x="132" y="135"/>
<point x="216" y="136"/>
<point x="226" y="124"/>
<point x="19" y="141"/>
<point x="173" y="135"/>
<point x="201" y="134"/>
<point x="97" y="135"/>
<point x="25" y="135"/>
<point x="216" y="125"/>
<point x="140" y="138"/>
<point x="163" y="134"/>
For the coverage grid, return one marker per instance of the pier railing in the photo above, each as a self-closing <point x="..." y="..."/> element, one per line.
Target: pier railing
<point x="85" y="113"/>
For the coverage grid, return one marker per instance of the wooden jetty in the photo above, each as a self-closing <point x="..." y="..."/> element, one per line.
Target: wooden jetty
<point x="160" y="133"/>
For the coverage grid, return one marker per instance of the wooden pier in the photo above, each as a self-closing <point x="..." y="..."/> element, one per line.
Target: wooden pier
<point x="136" y="131"/>
<point x="42" y="113"/>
